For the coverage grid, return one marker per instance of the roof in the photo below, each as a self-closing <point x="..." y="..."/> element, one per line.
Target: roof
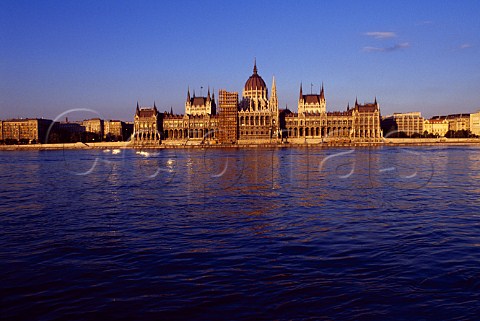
<point x="311" y="99"/>
<point x="255" y="81"/>
<point x="367" y="107"/>
<point x="146" y="112"/>
<point x="198" y="101"/>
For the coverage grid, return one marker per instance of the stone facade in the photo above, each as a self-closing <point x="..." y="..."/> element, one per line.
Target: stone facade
<point x="94" y="126"/>
<point x="148" y="126"/>
<point x="408" y="123"/>
<point x="114" y="130"/>
<point x="361" y="123"/>
<point x="436" y="126"/>
<point x="257" y="114"/>
<point x="25" y="130"/>
<point x="256" y="119"/>
<point x="456" y="122"/>
<point x="188" y="127"/>
<point x="475" y="123"/>
<point x="200" y="106"/>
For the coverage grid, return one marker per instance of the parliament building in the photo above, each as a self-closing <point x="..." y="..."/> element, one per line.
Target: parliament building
<point x="256" y="118"/>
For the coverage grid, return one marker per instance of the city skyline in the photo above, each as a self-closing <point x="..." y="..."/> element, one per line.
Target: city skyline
<point x="107" y="56"/>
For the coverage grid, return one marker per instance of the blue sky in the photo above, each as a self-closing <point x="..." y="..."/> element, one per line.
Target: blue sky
<point x="105" y="55"/>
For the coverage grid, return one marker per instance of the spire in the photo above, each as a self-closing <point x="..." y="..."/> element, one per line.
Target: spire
<point x="375" y="100"/>
<point x="171" y="110"/>
<point x="356" y="102"/>
<point x="138" y="107"/>
<point x="255" y="66"/>
<point x="188" y="94"/>
<point x="194" y="93"/>
<point x="208" y="94"/>
<point x="301" y="92"/>
<point x="348" y="106"/>
<point x="322" y="93"/>
<point x="274" y="88"/>
<point x="213" y="94"/>
<point x="154" y="105"/>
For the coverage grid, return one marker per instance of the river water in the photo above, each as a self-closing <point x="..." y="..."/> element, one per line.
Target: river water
<point x="297" y="233"/>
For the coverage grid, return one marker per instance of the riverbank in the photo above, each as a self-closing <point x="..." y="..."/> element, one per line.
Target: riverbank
<point x="246" y="144"/>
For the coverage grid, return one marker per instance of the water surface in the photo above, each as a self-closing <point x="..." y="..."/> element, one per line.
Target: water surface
<point x="241" y="234"/>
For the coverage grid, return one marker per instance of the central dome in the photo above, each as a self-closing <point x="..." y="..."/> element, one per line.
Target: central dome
<point x="255" y="82"/>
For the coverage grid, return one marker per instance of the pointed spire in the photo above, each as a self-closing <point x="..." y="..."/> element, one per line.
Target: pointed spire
<point x="375" y="100"/>
<point x="208" y="94"/>
<point x="194" y="93"/>
<point x="356" y="101"/>
<point x="255" y="66"/>
<point x="188" y="94"/>
<point x="348" y="106"/>
<point x="274" y="88"/>
<point x="322" y="93"/>
<point x="301" y="92"/>
<point x="171" y="110"/>
<point x="213" y="94"/>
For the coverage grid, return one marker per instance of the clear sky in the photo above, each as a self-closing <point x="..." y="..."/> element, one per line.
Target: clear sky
<point x="105" y="55"/>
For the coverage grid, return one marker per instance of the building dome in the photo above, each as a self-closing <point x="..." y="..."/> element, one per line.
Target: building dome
<point x="255" y="82"/>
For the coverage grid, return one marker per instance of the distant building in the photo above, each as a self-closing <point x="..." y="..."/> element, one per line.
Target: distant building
<point x="409" y="123"/>
<point x="436" y="126"/>
<point x="148" y="126"/>
<point x="68" y="132"/>
<point x="475" y="123"/>
<point x="114" y="130"/>
<point x="456" y="122"/>
<point x="228" y="121"/>
<point x="26" y="131"/>
<point x="94" y="126"/>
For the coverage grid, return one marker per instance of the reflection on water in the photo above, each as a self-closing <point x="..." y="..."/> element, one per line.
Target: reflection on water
<point x="369" y="233"/>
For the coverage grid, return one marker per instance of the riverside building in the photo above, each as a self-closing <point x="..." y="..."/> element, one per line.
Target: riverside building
<point x="256" y="119"/>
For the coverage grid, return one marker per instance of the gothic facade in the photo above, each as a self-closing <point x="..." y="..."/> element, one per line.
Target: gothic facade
<point x="257" y="113"/>
<point x="148" y="125"/>
<point x="256" y="119"/>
